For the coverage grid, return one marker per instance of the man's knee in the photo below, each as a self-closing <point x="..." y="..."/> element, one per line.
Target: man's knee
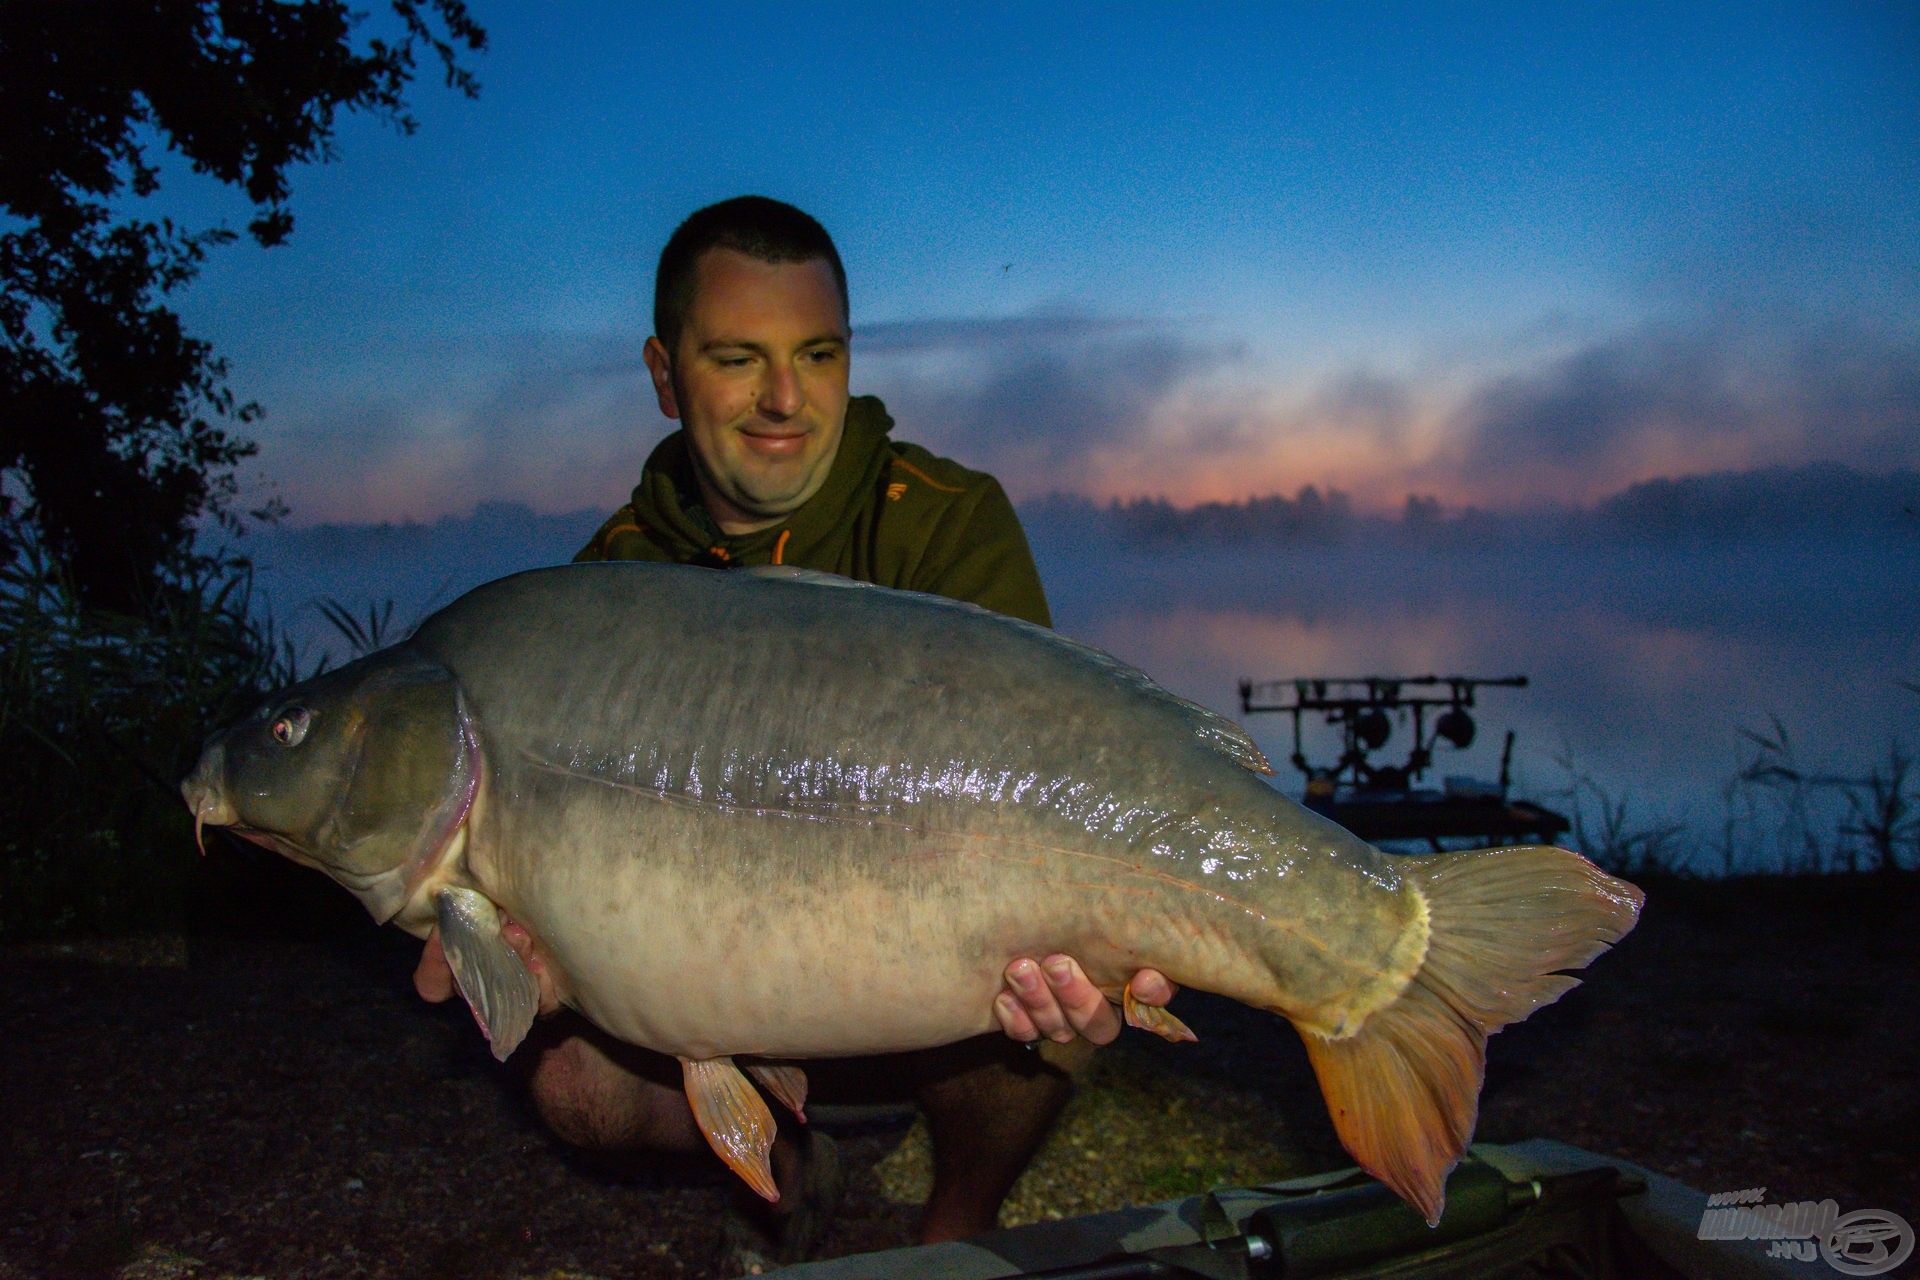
<point x="992" y="1072"/>
<point x="604" y="1098"/>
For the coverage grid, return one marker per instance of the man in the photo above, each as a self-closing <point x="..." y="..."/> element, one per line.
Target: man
<point x="776" y="464"/>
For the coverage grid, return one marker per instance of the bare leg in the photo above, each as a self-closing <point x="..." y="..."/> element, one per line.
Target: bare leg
<point x="989" y="1103"/>
<point x="603" y="1095"/>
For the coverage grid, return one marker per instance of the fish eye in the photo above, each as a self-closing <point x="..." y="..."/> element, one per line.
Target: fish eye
<point x="291" y="726"/>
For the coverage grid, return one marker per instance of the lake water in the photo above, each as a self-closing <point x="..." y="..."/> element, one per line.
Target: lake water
<point x="1644" y="665"/>
<point x="1645" y="662"/>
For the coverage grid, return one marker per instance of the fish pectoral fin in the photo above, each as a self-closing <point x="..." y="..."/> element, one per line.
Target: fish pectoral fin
<point x="1154" y="1018"/>
<point x="784" y="1081"/>
<point x="495" y="982"/>
<point x="735" y="1118"/>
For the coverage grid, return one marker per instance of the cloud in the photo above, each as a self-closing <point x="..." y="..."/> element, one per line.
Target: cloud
<point x="557" y="421"/>
<point x="1570" y="418"/>
<point x="1128" y="406"/>
<point x="1041" y="394"/>
<point x="1365" y="401"/>
<point x="1672" y="398"/>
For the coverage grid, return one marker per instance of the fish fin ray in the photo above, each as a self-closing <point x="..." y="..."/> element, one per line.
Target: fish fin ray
<point x="495" y="982"/>
<point x="1154" y="1018"/>
<point x="738" y="1124"/>
<point x="1404" y="1090"/>
<point x="1505" y="923"/>
<point x="785" y="1082"/>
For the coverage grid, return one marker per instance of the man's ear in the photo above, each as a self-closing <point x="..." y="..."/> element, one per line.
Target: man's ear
<point x="660" y="365"/>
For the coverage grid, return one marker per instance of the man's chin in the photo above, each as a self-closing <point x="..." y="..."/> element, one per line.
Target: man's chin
<point x="780" y="486"/>
<point x="771" y="502"/>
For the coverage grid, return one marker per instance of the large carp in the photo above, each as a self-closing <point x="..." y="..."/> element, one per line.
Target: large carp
<point x="825" y="817"/>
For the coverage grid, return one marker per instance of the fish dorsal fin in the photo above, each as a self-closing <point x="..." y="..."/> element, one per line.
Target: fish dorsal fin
<point x="1212" y="728"/>
<point x="793" y="573"/>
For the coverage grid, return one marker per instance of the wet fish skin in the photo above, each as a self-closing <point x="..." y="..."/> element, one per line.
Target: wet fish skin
<point x="790" y="805"/>
<point x="929" y="751"/>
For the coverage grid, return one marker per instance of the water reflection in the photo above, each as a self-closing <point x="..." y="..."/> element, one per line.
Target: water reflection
<point x="1643" y="673"/>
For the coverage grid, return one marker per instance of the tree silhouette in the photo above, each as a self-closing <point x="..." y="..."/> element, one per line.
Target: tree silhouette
<point x="116" y="425"/>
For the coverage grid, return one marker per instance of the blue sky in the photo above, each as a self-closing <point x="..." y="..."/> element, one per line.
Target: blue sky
<point x="1504" y="254"/>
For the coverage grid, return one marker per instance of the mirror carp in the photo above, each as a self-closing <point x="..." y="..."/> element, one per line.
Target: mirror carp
<point x="778" y="815"/>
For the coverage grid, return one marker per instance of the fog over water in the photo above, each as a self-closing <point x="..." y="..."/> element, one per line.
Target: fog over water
<point x="1649" y="644"/>
<point x="1642" y="673"/>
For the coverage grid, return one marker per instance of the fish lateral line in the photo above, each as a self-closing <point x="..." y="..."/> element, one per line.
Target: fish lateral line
<point x="1291" y="926"/>
<point x="828" y="811"/>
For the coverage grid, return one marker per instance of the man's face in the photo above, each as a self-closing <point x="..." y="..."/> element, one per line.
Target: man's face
<point x="759" y="381"/>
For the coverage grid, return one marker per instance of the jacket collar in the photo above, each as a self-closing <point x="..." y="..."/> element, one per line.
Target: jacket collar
<point x="667" y="499"/>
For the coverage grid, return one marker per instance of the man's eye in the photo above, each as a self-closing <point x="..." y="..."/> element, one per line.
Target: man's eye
<point x="733" y="362"/>
<point x="291" y="726"/>
<point x="825" y="356"/>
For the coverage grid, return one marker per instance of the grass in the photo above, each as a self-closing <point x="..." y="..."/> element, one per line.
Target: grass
<point x="101" y="714"/>
<point x="1780" y="817"/>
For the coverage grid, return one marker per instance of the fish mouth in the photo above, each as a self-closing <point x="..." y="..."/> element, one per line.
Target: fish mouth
<point x="276" y="844"/>
<point x="205" y="797"/>
<point x="360" y="884"/>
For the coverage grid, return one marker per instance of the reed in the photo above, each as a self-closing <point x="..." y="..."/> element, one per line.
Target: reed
<point x="101" y="713"/>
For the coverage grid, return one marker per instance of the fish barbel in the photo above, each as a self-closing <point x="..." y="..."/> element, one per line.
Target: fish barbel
<point x="825" y="817"/>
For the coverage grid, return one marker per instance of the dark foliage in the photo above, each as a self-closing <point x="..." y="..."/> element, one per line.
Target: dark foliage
<point x="101" y="714"/>
<point x="1308" y="517"/>
<point x="116" y="426"/>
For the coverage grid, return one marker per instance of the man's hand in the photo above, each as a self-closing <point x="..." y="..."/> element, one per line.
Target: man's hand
<point x="1054" y="999"/>
<point x="433" y="976"/>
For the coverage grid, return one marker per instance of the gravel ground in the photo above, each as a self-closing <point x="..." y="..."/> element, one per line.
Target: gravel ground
<point x="272" y="1099"/>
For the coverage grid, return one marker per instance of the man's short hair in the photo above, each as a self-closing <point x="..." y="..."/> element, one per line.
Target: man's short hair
<point x="767" y="230"/>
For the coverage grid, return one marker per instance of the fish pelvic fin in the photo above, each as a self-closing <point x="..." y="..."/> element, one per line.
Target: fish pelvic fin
<point x="738" y="1124"/>
<point x="785" y="1082"/>
<point x="1404" y="1090"/>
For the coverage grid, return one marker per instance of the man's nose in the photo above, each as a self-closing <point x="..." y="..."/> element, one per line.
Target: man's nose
<point x="780" y="394"/>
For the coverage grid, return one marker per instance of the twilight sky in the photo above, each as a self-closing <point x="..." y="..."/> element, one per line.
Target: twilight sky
<point x="1501" y="254"/>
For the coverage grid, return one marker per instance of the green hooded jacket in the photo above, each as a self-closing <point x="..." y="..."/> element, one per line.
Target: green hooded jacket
<point x="890" y="513"/>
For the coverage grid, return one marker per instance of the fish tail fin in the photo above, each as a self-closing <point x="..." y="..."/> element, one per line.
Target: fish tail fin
<point x="1404" y="1090"/>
